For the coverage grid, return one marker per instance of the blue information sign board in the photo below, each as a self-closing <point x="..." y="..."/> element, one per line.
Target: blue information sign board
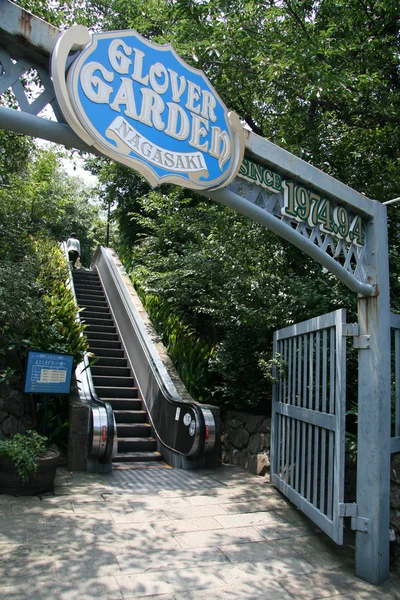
<point x="48" y="373"/>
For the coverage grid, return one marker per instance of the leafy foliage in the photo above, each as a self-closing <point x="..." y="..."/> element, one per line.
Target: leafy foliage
<point x="24" y="450"/>
<point x="229" y="280"/>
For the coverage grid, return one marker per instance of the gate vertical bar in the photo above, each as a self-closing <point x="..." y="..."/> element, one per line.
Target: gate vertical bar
<point x="373" y="462"/>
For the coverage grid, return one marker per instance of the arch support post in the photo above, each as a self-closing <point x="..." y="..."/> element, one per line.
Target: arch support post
<point x="374" y="409"/>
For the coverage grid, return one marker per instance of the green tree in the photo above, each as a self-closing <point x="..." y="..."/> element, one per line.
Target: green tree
<point x="231" y="280"/>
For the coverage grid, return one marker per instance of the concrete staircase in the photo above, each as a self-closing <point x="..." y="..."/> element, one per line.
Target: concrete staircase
<point x="112" y="377"/>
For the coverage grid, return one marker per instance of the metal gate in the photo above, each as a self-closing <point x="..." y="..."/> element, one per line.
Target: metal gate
<point x="308" y="418"/>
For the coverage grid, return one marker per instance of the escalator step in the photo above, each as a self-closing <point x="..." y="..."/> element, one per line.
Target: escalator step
<point x="111" y="370"/>
<point x="111" y="361"/>
<point x="109" y="351"/>
<point x="124" y="403"/>
<point x="136" y="444"/>
<point x="112" y="393"/>
<point x="137" y="456"/>
<point x="133" y="430"/>
<point x="113" y="381"/>
<point x="129" y="416"/>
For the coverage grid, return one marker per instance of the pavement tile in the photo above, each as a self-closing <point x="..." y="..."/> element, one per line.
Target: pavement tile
<point x="195" y="512"/>
<point x="28" y="565"/>
<point x="156" y="503"/>
<point x="230" y="496"/>
<point x="10" y="536"/>
<point x="158" y="597"/>
<point x="324" y="584"/>
<point x="168" y="582"/>
<point x="136" y="561"/>
<point x="273" y="531"/>
<point x="371" y="595"/>
<point x="184" y="525"/>
<point x="265" y="590"/>
<point x="217" y="537"/>
<point x="20" y="522"/>
<point x="327" y="560"/>
<point x="249" y="519"/>
<point x="270" y="502"/>
<point x="254" y="552"/>
<point x="53" y="535"/>
<point x="105" y="588"/>
<point x="139" y="516"/>
<point x="78" y="568"/>
<point x="273" y="568"/>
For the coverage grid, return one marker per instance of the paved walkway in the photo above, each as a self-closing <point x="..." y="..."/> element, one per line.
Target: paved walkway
<point x="170" y="535"/>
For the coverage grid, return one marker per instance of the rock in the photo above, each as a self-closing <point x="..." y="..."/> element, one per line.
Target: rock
<point x="253" y="423"/>
<point x="258" y="464"/>
<point x="14" y="404"/>
<point x="4" y="390"/>
<point x="234" y="423"/>
<point x="395" y="468"/>
<point x="9" y="426"/>
<point x="257" y="443"/>
<point x="266" y="426"/>
<point x="395" y="519"/>
<point x="240" y="438"/>
<point x="395" y="496"/>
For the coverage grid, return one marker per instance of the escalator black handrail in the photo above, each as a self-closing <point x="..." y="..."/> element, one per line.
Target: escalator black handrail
<point x="88" y="392"/>
<point x="205" y="432"/>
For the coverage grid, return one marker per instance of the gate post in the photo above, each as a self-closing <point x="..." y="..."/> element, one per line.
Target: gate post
<point x="373" y="457"/>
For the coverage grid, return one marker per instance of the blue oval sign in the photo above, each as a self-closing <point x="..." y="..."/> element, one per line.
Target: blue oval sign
<point x="140" y="104"/>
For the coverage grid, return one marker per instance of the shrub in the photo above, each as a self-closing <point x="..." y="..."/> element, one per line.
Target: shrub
<point x="24" y="450"/>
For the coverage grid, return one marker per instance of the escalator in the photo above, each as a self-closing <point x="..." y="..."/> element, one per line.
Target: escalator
<point x="111" y="374"/>
<point x="141" y="414"/>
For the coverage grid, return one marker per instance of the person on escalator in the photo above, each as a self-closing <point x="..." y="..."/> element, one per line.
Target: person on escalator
<point x="73" y="249"/>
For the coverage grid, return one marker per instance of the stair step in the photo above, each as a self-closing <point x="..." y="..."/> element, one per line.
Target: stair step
<point x="137" y="457"/>
<point x="100" y="328"/>
<point x="111" y="361"/>
<point x="140" y="464"/>
<point x="113" y="381"/>
<point x="136" y="444"/>
<point x="94" y="335"/>
<point x="105" y="391"/>
<point x="129" y="416"/>
<point x="125" y="404"/>
<point x="102" y="347"/>
<point x="90" y="295"/>
<point x="123" y="371"/>
<point x="99" y="311"/>
<point x="91" y="303"/>
<point x="108" y="352"/>
<point x="98" y="321"/>
<point x="90" y="289"/>
<point x="133" y="430"/>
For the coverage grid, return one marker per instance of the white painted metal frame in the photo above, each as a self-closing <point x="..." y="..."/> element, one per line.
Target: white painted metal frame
<point x="308" y="418"/>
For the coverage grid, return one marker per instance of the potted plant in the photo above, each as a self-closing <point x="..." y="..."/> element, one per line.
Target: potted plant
<point x="26" y="466"/>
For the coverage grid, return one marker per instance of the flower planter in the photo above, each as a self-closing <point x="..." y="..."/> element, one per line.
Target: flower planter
<point x="41" y="482"/>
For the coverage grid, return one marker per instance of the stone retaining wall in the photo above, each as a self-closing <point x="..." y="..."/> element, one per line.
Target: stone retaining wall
<point x="245" y="441"/>
<point x="15" y="411"/>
